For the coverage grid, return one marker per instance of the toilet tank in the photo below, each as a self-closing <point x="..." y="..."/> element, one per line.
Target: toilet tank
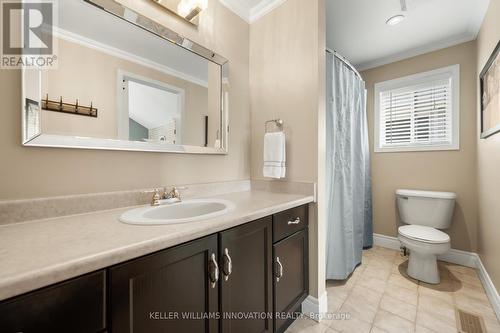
<point x="427" y="208"/>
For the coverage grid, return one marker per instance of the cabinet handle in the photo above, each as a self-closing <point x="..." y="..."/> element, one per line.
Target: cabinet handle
<point x="296" y="221"/>
<point x="228" y="265"/>
<point x="213" y="271"/>
<point x="279" y="271"/>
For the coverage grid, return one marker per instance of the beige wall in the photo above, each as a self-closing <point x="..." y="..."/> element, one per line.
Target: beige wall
<point x="39" y="172"/>
<point x="90" y="75"/>
<point x="453" y="171"/>
<point x="283" y="84"/>
<point x="286" y="67"/>
<point x="488" y="158"/>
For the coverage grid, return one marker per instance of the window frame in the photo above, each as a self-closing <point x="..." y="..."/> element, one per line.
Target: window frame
<point x="454" y="73"/>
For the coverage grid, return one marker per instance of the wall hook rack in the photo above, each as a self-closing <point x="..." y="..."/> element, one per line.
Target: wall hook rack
<point x="60" y="106"/>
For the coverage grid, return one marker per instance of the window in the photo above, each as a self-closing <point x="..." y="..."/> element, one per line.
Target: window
<point x="418" y="112"/>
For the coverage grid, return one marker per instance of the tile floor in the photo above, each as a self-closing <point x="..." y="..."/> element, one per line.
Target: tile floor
<point x="381" y="298"/>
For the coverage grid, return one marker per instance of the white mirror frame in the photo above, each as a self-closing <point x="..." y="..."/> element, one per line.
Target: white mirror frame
<point x="31" y="86"/>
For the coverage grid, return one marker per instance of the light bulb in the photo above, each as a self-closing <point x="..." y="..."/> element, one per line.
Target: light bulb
<point x="189" y="9"/>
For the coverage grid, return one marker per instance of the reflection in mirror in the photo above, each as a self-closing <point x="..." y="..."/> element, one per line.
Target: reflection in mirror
<point x="117" y="81"/>
<point x="153" y="111"/>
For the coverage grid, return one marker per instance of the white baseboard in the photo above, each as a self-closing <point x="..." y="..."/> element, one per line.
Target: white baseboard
<point x="459" y="257"/>
<point x="488" y="285"/>
<point x="386" y="241"/>
<point x="315" y="308"/>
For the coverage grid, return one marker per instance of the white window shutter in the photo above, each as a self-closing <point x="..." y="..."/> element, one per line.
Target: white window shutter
<point x="417" y="114"/>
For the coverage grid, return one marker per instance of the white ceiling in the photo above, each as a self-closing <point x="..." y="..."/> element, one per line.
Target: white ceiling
<point x="357" y="28"/>
<point x="251" y="10"/>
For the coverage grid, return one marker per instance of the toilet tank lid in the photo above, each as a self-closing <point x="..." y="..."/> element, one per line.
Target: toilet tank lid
<point x="426" y="194"/>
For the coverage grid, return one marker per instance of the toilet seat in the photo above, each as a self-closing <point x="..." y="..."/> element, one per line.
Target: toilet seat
<point x="424" y="234"/>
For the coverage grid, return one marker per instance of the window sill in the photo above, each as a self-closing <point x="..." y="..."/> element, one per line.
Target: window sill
<point x="454" y="147"/>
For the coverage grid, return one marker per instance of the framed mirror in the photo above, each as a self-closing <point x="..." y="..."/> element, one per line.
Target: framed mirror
<point x="125" y="83"/>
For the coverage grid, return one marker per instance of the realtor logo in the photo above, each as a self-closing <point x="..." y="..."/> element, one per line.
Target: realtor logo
<point x="27" y="33"/>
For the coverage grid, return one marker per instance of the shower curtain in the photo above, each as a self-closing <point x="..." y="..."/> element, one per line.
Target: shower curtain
<point x="348" y="179"/>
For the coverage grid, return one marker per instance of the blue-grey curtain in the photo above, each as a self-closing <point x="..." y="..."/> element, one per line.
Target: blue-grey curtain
<point x="348" y="179"/>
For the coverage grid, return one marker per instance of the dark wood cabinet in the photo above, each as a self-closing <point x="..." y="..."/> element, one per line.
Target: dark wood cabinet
<point x="76" y="305"/>
<point x="290" y="278"/>
<point x="156" y="292"/>
<point x="231" y="282"/>
<point x="246" y="282"/>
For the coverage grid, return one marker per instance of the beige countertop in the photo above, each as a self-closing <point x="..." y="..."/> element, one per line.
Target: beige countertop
<point x="39" y="253"/>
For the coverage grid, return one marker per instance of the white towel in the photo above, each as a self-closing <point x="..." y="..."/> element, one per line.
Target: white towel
<point x="274" y="155"/>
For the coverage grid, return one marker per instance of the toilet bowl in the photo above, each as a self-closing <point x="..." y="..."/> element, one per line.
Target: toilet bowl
<point x="424" y="213"/>
<point x="425" y="244"/>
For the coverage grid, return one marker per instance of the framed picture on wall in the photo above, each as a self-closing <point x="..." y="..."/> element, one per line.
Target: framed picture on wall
<point x="489" y="81"/>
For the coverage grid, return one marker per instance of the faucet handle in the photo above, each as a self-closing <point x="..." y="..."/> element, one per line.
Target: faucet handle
<point x="174" y="192"/>
<point x="155" y="201"/>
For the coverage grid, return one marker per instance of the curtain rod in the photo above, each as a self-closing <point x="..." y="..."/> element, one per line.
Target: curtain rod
<point x="345" y="61"/>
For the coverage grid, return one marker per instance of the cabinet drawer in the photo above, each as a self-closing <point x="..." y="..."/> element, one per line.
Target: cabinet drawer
<point x="289" y="222"/>
<point x="76" y="305"/>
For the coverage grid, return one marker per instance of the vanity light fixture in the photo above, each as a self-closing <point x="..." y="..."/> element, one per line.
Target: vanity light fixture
<point x="395" y="20"/>
<point x="189" y="9"/>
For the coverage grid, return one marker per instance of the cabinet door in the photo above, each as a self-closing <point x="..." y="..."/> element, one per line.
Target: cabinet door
<point x="76" y="305"/>
<point x="290" y="277"/>
<point x="246" y="277"/>
<point x="153" y="293"/>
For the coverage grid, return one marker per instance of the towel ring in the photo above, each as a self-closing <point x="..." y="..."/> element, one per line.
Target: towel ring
<point x="277" y="122"/>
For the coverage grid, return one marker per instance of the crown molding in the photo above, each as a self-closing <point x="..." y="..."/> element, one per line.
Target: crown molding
<point x="238" y="8"/>
<point x="467" y="37"/>
<point x="251" y="14"/>
<point x="263" y="8"/>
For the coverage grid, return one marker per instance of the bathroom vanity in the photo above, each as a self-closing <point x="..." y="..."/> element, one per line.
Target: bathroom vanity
<point x="208" y="284"/>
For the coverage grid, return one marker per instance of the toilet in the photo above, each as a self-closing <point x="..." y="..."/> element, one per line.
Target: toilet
<point x="424" y="213"/>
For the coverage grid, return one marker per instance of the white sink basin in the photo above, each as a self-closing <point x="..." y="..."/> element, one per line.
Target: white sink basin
<point x="181" y="212"/>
